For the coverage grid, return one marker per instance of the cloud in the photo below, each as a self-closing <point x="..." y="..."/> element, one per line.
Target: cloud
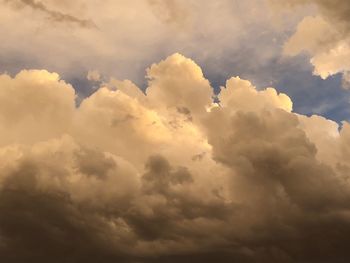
<point x="35" y="101"/>
<point x="338" y="10"/>
<point x="53" y="15"/>
<point x="325" y="37"/>
<point x="94" y="75"/>
<point x="179" y="92"/>
<point x="171" y="12"/>
<point x="168" y="175"/>
<point x="122" y="48"/>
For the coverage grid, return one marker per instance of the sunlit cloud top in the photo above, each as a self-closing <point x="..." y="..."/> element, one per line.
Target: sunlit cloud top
<point x="174" y="131"/>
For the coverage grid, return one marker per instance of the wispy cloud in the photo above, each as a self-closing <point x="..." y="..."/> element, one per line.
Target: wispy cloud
<point x="55" y="15"/>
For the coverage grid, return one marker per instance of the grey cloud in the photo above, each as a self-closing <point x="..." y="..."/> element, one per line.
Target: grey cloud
<point x="337" y="13"/>
<point x="94" y="163"/>
<point x="269" y="150"/>
<point x="54" y="15"/>
<point x="37" y="226"/>
<point x="338" y="9"/>
<point x="279" y="177"/>
<point x="161" y="176"/>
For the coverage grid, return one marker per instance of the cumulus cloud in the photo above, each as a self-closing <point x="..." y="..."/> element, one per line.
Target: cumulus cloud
<point x="37" y="102"/>
<point x="325" y="37"/>
<point x="168" y="175"/>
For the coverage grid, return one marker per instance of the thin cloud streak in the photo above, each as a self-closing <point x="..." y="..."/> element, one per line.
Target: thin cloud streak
<point x="55" y="16"/>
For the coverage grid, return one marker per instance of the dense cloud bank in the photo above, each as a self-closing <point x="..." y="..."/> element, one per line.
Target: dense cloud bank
<point x="168" y="176"/>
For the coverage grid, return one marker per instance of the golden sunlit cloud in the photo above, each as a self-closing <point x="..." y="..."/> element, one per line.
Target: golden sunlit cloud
<point x="175" y="174"/>
<point x="325" y="36"/>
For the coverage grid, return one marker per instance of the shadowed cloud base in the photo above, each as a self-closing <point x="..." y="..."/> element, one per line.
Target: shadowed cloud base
<point x="168" y="176"/>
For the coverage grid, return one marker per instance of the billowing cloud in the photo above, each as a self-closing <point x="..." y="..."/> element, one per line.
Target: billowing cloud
<point x="37" y="102"/>
<point x="169" y="175"/>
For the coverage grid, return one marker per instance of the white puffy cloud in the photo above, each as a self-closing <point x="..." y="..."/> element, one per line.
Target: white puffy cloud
<point x="241" y="95"/>
<point x="34" y="105"/>
<point x="174" y="82"/>
<point x="168" y="175"/>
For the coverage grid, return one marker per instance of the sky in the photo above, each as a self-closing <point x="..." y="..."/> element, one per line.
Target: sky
<point x="174" y="131"/>
<point x="263" y="41"/>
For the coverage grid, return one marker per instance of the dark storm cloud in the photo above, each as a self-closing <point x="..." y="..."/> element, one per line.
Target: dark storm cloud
<point x="39" y="226"/>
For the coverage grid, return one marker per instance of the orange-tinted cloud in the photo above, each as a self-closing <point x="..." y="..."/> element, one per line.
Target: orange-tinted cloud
<point x="325" y="36"/>
<point x="53" y="15"/>
<point x="169" y="175"/>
